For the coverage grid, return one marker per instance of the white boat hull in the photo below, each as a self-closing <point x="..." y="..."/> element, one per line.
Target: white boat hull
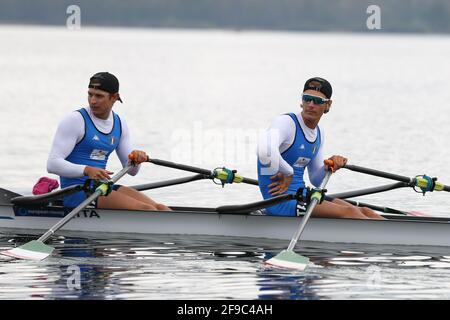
<point x="398" y="231"/>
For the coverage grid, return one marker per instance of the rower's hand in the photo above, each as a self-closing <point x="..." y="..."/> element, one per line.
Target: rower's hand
<point x="280" y="184"/>
<point x="97" y="173"/>
<point x="338" y="162"/>
<point x="138" y="156"/>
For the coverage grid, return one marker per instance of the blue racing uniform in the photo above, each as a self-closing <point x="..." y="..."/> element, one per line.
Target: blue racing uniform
<point x="298" y="155"/>
<point x="92" y="150"/>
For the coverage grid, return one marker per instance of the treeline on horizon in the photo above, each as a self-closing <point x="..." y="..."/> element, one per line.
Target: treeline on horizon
<point x="432" y="16"/>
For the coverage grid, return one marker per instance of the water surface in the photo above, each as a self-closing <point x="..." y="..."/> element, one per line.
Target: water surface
<point x="200" y="98"/>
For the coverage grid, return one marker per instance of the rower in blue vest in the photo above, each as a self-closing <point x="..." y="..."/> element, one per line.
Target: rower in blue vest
<point x="84" y="141"/>
<point x="294" y="143"/>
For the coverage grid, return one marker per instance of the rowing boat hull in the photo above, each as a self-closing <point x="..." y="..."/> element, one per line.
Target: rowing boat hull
<point x="398" y="231"/>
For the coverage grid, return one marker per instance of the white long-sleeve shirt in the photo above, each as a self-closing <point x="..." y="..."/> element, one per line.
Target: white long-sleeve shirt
<point x="284" y="128"/>
<point x="70" y="131"/>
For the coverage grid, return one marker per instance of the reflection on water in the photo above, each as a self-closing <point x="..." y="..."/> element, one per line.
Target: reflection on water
<point x="187" y="267"/>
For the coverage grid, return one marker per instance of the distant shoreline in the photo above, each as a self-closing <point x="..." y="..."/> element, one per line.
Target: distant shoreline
<point x="225" y="29"/>
<point x="355" y="16"/>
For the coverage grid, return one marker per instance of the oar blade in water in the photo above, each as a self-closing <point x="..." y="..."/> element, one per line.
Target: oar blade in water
<point x="289" y="260"/>
<point x="33" y="250"/>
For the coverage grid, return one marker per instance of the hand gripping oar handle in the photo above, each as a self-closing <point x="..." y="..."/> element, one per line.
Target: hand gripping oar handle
<point x="222" y="175"/>
<point x="316" y="197"/>
<point x="422" y="182"/>
<point x="101" y="190"/>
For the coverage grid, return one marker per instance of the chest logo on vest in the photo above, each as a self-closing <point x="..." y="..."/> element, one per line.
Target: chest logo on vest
<point x="96" y="138"/>
<point x="302" y="147"/>
<point x="112" y="139"/>
<point x="97" y="154"/>
<point x="301" y="162"/>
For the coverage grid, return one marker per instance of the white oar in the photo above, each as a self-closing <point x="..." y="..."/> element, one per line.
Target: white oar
<point x="288" y="258"/>
<point x="37" y="249"/>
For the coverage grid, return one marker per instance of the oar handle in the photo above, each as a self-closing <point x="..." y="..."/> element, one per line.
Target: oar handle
<point x="329" y="163"/>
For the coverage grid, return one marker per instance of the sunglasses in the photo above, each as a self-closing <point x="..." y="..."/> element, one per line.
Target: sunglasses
<point x="314" y="99"/>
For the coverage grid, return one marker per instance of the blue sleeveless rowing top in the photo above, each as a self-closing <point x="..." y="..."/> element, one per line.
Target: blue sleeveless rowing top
<point x="92" y="150"/>
<point x="298" y="155"/>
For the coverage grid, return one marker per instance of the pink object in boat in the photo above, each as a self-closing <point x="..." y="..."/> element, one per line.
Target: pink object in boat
<point x="45" y="185"/>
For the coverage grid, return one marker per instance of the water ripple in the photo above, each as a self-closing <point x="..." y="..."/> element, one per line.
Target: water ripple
<point x="217" y="268"/>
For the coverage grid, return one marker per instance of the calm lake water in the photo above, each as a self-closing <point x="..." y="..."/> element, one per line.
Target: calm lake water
<point x="201" y="98"/>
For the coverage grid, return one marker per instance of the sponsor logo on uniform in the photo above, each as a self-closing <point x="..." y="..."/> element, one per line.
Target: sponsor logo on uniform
<point x="96" y="138"/>
<point x="302" y="147"/>
<point x="97" y="154"/>
<point x="302" y="162"/>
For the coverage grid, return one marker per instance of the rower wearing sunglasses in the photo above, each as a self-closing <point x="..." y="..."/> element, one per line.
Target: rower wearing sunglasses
<point x="294" y="143"/>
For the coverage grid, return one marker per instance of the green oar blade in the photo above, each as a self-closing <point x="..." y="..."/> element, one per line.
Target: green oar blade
<point x="33" y="250"/>
<point x="289" y="259"/>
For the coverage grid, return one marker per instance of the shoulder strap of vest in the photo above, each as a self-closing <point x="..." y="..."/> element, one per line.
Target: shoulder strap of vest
<point x="117" y="120"/>
<point x="293" y="117"/>
<point x="319" y="135"/>
<point x="86" y="117"/>
<point x="84" y="114"/>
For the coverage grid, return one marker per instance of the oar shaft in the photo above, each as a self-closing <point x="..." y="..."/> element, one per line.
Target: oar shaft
<point x="256" y="205"/>
<point x="81" y="206"/>
<point x="210" y="173"/>
<point x="378" y="173"/>
<point x="250" y="181"/>
<point x="375" y="207"/>
<point x="363" y="192"/>
<point x="167" y="183"/>
<point x="179" y="166"/>
<point x="424" y="182"/>
<point x="308" y="213"/>
<point x="67" y="218"/>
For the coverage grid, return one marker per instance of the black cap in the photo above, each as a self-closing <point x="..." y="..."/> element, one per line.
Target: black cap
<point x="105" y="81"/>
<point x="319" y="84"/>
